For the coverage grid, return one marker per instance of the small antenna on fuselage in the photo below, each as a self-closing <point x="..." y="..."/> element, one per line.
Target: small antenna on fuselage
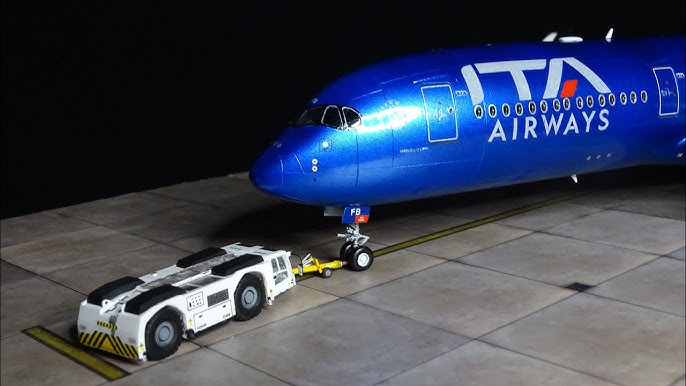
<point x="608" y="36"/>
<point x="550" y="37"/>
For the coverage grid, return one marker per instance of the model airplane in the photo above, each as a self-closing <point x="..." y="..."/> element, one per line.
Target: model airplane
<point x="457" y="120"/>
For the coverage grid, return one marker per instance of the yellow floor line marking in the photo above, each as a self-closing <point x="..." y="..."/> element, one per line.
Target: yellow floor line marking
<point x="73" y="352"/>
<point x="473" y="224"/>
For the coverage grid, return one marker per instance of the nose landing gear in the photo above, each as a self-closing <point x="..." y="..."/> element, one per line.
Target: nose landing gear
<point x="358" y="256"/>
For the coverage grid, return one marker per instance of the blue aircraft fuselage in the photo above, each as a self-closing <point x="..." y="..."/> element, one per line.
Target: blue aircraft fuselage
<point x="456" y="120"/>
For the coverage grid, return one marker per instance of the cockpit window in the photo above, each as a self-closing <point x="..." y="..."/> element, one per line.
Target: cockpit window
<point x="336" y="116"/>
<point x="352" y="117"/>
<point x="332" y="117"/>
<point x="311" y="116"/>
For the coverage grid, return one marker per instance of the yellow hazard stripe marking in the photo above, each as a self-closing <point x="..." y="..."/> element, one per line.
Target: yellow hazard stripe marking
<point x="73" y="352"/>
<point x="107" y="325"/>
<point x="109" y="343"/>
<point x="473" y="224"/>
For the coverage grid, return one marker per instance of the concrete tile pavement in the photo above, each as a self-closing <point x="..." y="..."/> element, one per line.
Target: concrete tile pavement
<point x="486" y="305"/>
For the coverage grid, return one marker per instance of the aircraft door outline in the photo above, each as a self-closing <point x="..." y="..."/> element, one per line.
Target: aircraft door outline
<point x="440" y="113"/>
<point x="668" y="91"/>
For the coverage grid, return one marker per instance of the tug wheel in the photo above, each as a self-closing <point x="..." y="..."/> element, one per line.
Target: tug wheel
<point x="326" y="273"/>
<point x="361" y="259"/>
<point x="163" y="334"/>
<point x="249" y="297"/>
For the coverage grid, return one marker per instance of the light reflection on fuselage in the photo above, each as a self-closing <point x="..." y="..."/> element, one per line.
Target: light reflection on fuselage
<point x="394" y="117"/>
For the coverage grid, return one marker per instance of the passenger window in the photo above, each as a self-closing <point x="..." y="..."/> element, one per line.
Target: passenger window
<point x="566" y="103"/>
<point x="491" y="111"/>
<point x="544" y="107"/>
<point x="478" y="111"/>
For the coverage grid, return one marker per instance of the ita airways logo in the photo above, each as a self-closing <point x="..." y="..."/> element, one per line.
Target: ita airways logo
<point x="569" y="88"/>
<point x="555" y="86"/>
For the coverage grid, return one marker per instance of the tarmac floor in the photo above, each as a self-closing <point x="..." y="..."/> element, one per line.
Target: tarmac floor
<point x="549" y="283"/>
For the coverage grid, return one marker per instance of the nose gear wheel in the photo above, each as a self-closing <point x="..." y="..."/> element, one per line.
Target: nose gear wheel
<point x="358" y="256"/>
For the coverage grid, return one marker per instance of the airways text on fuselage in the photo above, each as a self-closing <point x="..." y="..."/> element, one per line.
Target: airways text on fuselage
<point x="563" y="122"/>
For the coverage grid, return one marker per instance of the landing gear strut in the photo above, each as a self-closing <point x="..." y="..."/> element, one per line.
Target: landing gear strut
<point x="358" y="256"/>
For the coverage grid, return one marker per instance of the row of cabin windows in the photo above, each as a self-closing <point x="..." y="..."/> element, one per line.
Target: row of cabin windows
<point x="566" y="104"/>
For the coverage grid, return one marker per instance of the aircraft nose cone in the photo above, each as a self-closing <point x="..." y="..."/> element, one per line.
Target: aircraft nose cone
<point x="267" y="173"/>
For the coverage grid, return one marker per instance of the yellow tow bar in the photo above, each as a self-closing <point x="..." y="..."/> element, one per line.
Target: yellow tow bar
<point x="311" y="264"/>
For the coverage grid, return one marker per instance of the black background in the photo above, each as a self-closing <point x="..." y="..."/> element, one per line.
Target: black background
<point x="102" y="98"/>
